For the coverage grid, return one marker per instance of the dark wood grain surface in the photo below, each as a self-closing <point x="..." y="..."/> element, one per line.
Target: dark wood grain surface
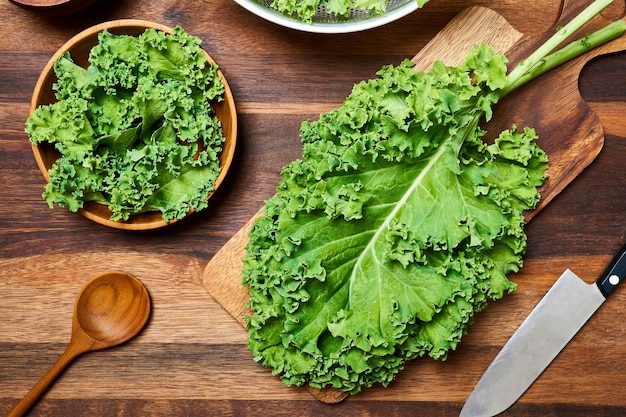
<point x="192" y="359"/>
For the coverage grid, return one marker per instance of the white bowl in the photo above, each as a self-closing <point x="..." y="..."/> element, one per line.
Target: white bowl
<point x="327" y="23"/>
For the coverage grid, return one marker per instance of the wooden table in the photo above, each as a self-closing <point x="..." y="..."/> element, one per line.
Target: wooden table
<point x="192" y="357"/>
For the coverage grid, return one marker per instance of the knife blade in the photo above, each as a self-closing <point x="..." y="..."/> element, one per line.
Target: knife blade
<point x="557" y="318"/>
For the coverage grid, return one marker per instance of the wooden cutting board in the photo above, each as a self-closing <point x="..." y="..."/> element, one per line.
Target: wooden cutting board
<point x="568" y="130"/>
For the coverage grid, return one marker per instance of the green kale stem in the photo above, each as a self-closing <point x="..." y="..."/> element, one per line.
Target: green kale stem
<point x="542" y="60"/>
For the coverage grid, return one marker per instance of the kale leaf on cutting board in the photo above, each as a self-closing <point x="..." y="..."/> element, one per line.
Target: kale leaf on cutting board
<point x="398" y="223"/>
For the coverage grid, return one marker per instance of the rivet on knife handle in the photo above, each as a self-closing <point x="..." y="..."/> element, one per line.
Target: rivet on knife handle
<point x="614" y="273"/>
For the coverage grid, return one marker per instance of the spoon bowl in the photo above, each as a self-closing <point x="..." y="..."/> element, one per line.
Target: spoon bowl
<point x="110" y="309"/>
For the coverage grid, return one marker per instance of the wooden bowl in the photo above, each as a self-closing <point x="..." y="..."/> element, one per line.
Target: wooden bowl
<point x="55" y="7"/>
<point x="79" y="47"/>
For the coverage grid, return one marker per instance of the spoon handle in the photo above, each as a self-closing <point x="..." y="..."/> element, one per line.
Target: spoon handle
<point x="70" y="353"/>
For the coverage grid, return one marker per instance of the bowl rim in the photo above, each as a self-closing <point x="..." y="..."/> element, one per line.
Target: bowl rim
<point x="226" y="157"/>
<point x="328" y="28"/>
<point x="55" y="7"/>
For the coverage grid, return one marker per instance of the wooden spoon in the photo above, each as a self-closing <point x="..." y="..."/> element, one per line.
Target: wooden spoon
<point x="110" y="309"/>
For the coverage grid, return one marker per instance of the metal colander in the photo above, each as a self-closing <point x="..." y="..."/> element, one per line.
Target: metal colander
<point x="326" y="22"/>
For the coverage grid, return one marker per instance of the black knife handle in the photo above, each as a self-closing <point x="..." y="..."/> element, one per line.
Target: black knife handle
<point x="614" y="273"/>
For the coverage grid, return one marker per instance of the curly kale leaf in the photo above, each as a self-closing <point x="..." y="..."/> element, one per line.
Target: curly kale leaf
<point x="305" y="10"/>
<point x="136" y="130"/>
<point x="395" y="227"/>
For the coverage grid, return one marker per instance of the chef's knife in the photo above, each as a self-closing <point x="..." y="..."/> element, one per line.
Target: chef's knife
<point x="550" y="326"/>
